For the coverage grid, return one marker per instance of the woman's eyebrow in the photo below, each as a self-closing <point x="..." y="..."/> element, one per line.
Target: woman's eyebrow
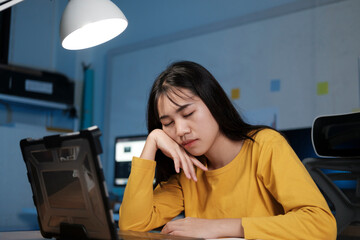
<point x="181" y="107"/>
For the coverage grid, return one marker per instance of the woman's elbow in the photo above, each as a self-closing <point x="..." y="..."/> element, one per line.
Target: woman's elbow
<point x="126" y="226"/>
<point x="332" y="227"/>
<point x="327" y="227"/>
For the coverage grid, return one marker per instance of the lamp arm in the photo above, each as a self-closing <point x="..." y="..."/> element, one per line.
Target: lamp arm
<point x="4" y="4"/>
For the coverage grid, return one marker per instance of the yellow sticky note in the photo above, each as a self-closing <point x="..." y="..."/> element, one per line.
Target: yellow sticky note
<point x="322" y="88"/>
<point x="235" y="93"/>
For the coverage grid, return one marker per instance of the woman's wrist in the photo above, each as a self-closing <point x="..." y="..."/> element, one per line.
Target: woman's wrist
<point x="230" y="227"/>
<point x="150" y="148"/>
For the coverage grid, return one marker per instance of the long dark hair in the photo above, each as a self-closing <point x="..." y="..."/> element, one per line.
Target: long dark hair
<point x="199" y="81"/>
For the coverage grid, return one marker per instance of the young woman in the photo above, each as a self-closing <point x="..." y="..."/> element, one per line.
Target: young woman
<point x="230" y="178"/>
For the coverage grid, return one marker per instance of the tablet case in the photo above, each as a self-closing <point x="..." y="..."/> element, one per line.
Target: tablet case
<point x="69" y="190"/>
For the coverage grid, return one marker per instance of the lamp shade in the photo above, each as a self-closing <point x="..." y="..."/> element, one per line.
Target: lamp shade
<point x="87" y="23"/>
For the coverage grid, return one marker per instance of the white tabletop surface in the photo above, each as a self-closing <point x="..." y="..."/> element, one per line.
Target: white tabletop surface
<point x="36" y="235"/>
<point x="21" y="235"/>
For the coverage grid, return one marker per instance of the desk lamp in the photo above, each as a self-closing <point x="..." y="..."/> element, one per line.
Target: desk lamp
<point x="87" y="23"/>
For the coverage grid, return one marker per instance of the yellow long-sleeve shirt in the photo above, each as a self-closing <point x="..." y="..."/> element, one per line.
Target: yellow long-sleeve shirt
<point x="265" y="184"/>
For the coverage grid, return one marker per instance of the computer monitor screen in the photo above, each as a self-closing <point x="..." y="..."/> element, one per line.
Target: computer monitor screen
<point x="125" y="149"/>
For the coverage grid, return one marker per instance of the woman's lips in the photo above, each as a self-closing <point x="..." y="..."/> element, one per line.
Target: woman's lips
<point x="189" y="143"/>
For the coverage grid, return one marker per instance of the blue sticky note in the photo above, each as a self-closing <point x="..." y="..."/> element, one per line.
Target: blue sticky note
<point x="275" y="85"/>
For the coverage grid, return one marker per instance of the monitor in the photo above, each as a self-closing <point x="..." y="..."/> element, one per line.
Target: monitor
<point x="125" y="149"/>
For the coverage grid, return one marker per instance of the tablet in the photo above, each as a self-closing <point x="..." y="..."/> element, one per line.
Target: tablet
<point x="69" y="190"/>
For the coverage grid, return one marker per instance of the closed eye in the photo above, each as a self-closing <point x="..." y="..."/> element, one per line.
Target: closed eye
<point x="167" y="124"/>
<point x="188" y="115"/>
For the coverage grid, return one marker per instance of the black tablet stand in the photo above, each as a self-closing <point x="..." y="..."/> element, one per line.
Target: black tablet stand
<point x="72" y="232"/>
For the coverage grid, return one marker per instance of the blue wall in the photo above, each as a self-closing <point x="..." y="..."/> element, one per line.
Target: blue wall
<point x="298" y="45"/>
<point x="35" y="43"/>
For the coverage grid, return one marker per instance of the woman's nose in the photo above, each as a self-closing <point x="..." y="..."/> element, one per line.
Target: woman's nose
<point x="182" y="128"/>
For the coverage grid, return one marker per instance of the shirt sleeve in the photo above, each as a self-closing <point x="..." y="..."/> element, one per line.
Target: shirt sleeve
<point x="306" y="213"/>
<point x="143" y="208"/>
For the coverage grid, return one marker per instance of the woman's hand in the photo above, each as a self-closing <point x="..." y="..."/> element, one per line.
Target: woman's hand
<point x="205" y="228"/>
<point x="158" y="139"/>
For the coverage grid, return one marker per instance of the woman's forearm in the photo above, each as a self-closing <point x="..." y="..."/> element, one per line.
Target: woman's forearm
<point x="138" y="196"/>
<point x="231" y="227"/>
<point x="205" y="228"/>
<point x="149" y="150"/>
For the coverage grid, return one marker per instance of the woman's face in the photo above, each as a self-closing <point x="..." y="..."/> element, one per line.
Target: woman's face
<point x="188" y="121"/>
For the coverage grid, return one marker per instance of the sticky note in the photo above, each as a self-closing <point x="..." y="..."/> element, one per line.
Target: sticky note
<point x="275" y="85"/>
<point x="235" y="93"/>
<point x="322" y="88"/>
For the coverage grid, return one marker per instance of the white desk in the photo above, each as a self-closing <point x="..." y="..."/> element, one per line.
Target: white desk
<point x="21" y="235"/>
<point x="36" y="235"/>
